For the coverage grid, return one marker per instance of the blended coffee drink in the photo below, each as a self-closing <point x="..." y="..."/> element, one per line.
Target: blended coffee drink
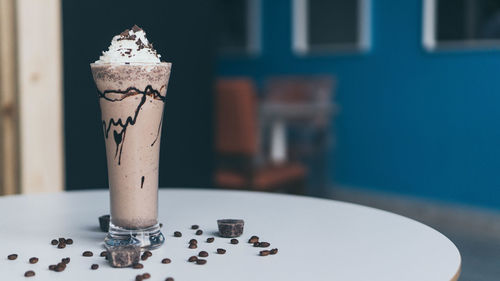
<point x="132" y="83"/>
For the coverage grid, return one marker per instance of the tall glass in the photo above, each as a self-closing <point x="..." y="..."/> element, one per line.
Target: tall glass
<point x="132" y="98"/>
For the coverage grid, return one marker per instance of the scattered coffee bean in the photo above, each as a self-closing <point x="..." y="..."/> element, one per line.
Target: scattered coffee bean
<point x="148" y="254"/>
<point x="195" y="226"/>
<point x="177" y="234"/>
<point x="138" y="266"/>
<point x="87" y="254"/>
<point x="234" y="241"/>
<point x="199" y="232"/>
<point x="12" y="257"/>
<point x="256" y="244"/>
<point x="201" y="261"/>
<point x="253" y="239"/>
<point x="61" y="245"/>
<point x="210" y="240"/>
<point x="52" y="267"/>
<point x="230" y="228"/>
<point x="192" y="258"/>
<point x="264" y="244"/>
<point x="60" y="267"/>
<point x="193" y="241"/>
<point x="29" y="273"/>
<point x="265" y="253"/>
<point x="123" y="256"/>
<point x="221" y="251"/>
<point x="166" y="261"/>
<point x="192" y="246"/>
<point x="33" y="260"/>
<point x="146" y="275"/>
<point x="169" y="279"/>
<point x="69" y="241"/>
<point x="203" y="254"/>
<point x="273" y="251"/>
<point x="54" y="242"/>
<point x="144" y="257"/>
<point x="139" y="278"/>
<point x="103" y="253"/>
<point x="62" y="240"/>
<point x="65" y="260"/>
<point x="94" y="266"/>
<point x="104" y="223"/>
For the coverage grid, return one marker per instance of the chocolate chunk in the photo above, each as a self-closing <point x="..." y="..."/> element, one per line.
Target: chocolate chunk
<point x="192" y="259"/>
<point x="166" y="261"/>
<point x="234" y="241"/>
<point x="264" y="253"/>
<point x="230" y="228"/>
<point x="210" y="240"/>
<point x="33" y="260"/>
<point x="87" y="254"/>
<point x="12" y="257"/>
<point x="253" y="239"/>
<point x="94" y="266"/>
<point x="54" y="242"/>
<point x="29" y="273"/>
<point x="199" y="232"/>
<point x="104" y="220"/>
<point x="201" y="261"/>
<point x="273" y="251"/>
<point x="221" y="251"/>
<point x="203" y="254"/>
<point x="138" y="266"/>
<point x="135" y="28"/>
<point x="194" y="226"/>
<point x="177" y="234"/>
<point x="123" y="256"/>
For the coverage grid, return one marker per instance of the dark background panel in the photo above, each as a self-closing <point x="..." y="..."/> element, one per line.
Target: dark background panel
<point x="182" y="35"/>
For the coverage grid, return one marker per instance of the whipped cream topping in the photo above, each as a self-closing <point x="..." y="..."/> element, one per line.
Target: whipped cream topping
<point x="130" y="46"/>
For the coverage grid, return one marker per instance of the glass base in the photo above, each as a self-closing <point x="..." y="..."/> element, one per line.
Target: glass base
<point x="149" y="238"/>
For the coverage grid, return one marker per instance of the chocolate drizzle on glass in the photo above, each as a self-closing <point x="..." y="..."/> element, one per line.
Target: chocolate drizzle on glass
<point x="120" y="132"/>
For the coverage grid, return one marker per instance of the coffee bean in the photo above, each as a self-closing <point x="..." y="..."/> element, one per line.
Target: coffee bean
<point x="203" y="254"/>
<point x="192" y="246"/>
<point x="221" y="251"/>
<point x="29" y="273"/>
<point x="192" y="258"/>
<point x="138" y="266"/>
<point x="199" y="232"/>
<point x="87" y="254"/>
<point x="201" y="261"/>
<point x="33" y="260"/>
<point x="59" y="267"/>
<point x="234" y="241"/>
<point x="210" y="240"/>
<point x="139" y="278"/>
<point x="69" y="241"/>
<point x="148" y="254"/>
<point x="54" y="242"/>
<point x="12" y="257"/>
<point x="94" y="266"/>
<point x="52" y="267"/>
<point x="61" y="264"/>
<point x="264" y="253"/>
<point x="273" y="251"/>
<point x="144" y="257"/>
<point x="61" y="245"/>
<point x="166" y="261"/>
<point x="193" y="241"/>
<point x="264" y="244"/>
<point x="169" y="279"/>
<point x="195" y="226"/>
<point x="146" y="275"/>
<point x="177" y="234"/>
<point x="66" y="260"/>
<point x="253" y="239"/>
<point x="256" y="244"/>
<point x="62" y="240"/>
<point x="103" y="253"/>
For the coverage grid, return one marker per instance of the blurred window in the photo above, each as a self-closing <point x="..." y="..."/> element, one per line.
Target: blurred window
<point x="461" y="23"/>
<point x="238" y="26"/>
<point x="331" y="25"/>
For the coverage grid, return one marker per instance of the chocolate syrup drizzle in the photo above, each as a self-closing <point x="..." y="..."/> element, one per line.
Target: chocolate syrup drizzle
<point x="119" y="135"/>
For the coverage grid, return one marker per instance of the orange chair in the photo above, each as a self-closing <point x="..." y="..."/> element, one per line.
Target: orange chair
<point x="236" y="144"/>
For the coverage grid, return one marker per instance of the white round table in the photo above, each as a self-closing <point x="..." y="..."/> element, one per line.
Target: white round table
<point x="317" y="239"/>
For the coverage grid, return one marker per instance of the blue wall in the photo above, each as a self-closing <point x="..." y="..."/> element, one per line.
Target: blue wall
<point x="411" y="122"/>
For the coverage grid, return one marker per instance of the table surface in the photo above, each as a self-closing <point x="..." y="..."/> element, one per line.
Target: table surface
<point x="318" y="239"/>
